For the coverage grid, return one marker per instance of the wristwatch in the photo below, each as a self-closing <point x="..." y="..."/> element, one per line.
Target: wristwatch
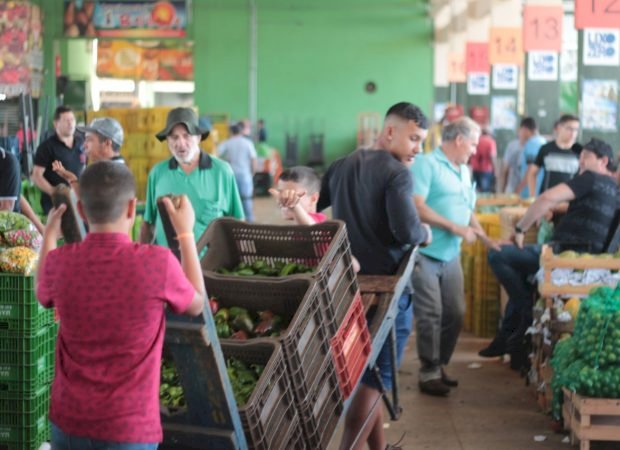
<point x="519" y="230"/>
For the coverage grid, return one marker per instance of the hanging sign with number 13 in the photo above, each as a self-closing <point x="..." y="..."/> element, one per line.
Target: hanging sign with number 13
<point x="542" y="28"/>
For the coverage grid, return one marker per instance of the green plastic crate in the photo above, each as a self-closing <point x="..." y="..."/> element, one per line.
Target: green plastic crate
<point x="18" y="379"/>
<point x="26" y="351"/>
<point x="25" y="421"/>
<point x="20" y="312"/>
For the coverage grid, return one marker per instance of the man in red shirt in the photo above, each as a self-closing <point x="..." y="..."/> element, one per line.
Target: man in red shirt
<point x="483" y="162"/>
<point x="111" y="295"/>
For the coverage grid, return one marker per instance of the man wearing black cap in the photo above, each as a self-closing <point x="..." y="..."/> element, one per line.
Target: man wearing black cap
<point x="208" y="182"/>
<point x="592" y="198"/>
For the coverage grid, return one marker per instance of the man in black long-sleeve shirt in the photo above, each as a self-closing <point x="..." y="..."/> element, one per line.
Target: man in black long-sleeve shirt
<point x="370" y="190"/>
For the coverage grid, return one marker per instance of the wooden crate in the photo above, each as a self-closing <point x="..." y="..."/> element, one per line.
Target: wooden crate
<point x="591" y="419"/>
<point x="548" y="261"/>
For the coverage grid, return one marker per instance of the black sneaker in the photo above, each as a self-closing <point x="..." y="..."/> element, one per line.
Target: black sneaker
<point x="434" y="387"/>
<point x="447" y="380"/>
<point x="496" y="348"/>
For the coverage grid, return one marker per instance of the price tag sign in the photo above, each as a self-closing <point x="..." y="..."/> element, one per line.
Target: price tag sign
<point x="477" y="57"/>
<point x="597" y="14"/>
<point x="542" y="28"/>
<point x="505" y="46"/>
<point x="456" y="68"/>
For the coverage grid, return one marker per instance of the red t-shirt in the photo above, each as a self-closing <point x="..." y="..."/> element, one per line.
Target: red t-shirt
<point x="487" y="149"/>
<point x="110" y="294"/>
<point x="318" y="217"/>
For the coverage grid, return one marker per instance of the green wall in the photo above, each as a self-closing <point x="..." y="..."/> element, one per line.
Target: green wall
<point x="314" y="59"/>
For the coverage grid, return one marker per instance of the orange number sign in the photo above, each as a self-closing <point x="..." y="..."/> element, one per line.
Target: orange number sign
<point x="477" y="57"/>
<point x="456" y="68"/>
<point x="542" y="28"/>
<point x="597" y="14"/>
<point x="505" y="46"/>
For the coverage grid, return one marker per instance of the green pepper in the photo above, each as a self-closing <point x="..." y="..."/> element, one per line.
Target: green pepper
<point x="223" y="330"/>
<point x="235" y="311"/>
<point x="222" y="315"/>
<point x="245" y="272"/>
<point x="288" y="269"/>
<point x="243" y="322"/>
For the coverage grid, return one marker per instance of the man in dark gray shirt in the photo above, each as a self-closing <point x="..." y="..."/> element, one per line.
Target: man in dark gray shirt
<point x="371" y="191"/>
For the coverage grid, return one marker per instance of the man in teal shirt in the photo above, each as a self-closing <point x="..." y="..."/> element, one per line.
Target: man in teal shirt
<point x="445" y="198"/>
<point x="208" y="182"/>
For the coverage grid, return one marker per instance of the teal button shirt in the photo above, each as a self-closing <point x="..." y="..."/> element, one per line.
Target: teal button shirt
<point x="449" y="192"/>
<point x="210" y="187"/>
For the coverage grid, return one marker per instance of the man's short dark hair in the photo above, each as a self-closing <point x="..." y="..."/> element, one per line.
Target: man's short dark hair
<point x="105" y="189"/>
<point x="567" y="118"/>
<point x="115" y="147"/>
<point x="61" y="110"/>
<point x="304" y="176"/>
<point x="409" y="111"/>
<point x="528" y="123"/>
<point x="602" y="149"/>
<point x="235" y="128"/>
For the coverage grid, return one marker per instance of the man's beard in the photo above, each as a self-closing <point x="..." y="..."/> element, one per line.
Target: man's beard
<point x="188" y="158"/>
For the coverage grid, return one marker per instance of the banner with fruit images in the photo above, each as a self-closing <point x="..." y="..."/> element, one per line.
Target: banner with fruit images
<point x="127" y="19"/>
<point x="21" y="49"/>
<point x="145" y="60"/>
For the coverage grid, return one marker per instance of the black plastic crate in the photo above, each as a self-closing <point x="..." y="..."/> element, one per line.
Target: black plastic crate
<point x="321" y="409"/>
<point x="305" y="341"/>
<point x="269" y="417"/>
<point x="324" y="246"/>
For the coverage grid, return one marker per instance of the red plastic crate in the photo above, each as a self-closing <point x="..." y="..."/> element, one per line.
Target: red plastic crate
<point x="351" y="347"/>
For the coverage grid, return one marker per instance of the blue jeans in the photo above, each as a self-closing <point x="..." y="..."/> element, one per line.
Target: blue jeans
<point x="63" y="441"/>
<point x="404" y="325"/>
<point x="245" y="184"/>
<point x="513" y="267"/>
<point x="484" y="180"/>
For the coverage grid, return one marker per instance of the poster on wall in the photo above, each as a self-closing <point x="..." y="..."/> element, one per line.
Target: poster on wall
<point x="21" y="49"/>
<point x="599" y="105"/>
<point x="478" y="83"/>
<point x="147" y="60"/>
<point x="504" y="112"/>
<point x="542" y="66"/>
<point x="129" y="19"/>
<point x="505" y="76"/>
<point x="600" y="47"/>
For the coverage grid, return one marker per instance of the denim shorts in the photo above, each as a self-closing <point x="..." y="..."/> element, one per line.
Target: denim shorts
<point x="63" y="441"/>
<point x="404" y="326"/>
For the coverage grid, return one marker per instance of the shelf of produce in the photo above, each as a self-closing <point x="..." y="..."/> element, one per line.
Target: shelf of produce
<point x="591" y="419"/>
<point x="549" y="261"/>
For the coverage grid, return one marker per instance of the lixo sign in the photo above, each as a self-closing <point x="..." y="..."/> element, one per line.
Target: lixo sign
<point x="601" y="47"/>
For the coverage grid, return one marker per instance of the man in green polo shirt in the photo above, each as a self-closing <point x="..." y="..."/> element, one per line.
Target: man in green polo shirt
<point x="208" y="182"/>
<point x="445" y="198"/>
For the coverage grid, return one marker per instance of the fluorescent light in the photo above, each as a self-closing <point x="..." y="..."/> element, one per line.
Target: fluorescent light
<point x="181" y="87"/>
<point x="115" y="85"/>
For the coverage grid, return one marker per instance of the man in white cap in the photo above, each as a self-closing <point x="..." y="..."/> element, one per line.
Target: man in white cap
<point x="208" y="182"/>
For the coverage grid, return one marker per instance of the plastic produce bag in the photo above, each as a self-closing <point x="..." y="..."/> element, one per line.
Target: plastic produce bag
<point x="29" y="237"/>
<point x="22" y="260"/>
<point x="12" y="221"/>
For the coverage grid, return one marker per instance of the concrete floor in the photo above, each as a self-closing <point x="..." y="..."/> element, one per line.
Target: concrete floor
<point x="492" y="409"/>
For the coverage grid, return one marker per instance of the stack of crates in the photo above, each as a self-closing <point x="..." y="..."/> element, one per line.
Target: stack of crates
<point x="27" y="342"/>
<point x="481" y="287"/>
<point x="327" y="344"/>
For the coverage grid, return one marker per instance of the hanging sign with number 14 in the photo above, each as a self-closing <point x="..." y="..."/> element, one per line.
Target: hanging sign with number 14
<point x="505" y="46"/>
<point x="542" y="28"/>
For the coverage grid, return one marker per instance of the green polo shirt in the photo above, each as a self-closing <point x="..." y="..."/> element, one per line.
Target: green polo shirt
<point x="210" y="187"/>
<point x="449" y="192"/>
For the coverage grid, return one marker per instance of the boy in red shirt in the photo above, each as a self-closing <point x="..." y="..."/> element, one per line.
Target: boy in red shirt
<point x="297" y="194"/>
<point x="111" y="295"/>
